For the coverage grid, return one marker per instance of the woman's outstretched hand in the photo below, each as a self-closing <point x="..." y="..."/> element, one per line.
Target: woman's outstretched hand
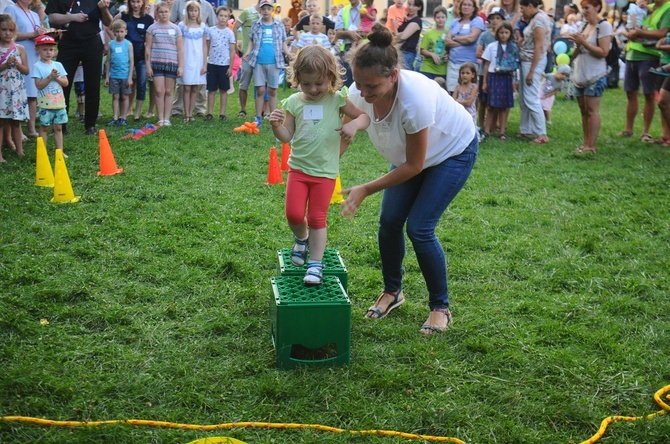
<point x="354" y="198"/>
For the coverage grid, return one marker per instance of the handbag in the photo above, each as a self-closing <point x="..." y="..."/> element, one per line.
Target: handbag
<point x="507" y="61"/>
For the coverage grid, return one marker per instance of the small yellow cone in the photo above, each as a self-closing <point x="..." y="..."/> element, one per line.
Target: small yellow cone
<point x="63" y="188"/>
<point x="337" y="192"/>
<point x="44" y="175"/>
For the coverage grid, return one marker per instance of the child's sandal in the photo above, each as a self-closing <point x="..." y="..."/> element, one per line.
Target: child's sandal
<point x="314" y="274"/>
<point x="299" y="256"/>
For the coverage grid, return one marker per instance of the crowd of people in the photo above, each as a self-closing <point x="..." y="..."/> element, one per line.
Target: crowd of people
<point x="357" y="69"/>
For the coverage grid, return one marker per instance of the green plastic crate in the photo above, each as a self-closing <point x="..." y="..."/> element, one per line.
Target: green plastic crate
<point x="311" y="326"/>
<point x="332" y="265"/>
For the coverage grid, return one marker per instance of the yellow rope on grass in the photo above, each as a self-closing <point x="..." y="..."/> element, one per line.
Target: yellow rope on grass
<point x="610" y="419"/>
<point x="273" y="425"/>
<point x="230" y="425"/>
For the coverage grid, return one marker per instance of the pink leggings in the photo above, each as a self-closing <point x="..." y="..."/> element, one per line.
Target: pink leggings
<point x="300" y="189"/>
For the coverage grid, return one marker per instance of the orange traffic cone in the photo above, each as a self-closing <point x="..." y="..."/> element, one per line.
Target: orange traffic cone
<point x="63" y="187"/>
<point x="44" y="175"/>
<point x="285" y="153"/>
<point x="274" y="172"/>
<point x="107" y="163"/>
<point x="337" y="192"/>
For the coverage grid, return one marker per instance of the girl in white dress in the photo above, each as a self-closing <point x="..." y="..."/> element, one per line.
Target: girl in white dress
<point x="195" y="57"/>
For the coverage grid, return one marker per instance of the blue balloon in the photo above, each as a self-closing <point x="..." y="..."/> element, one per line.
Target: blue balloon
<point x="622" y="3"/>
<point x="560" y="47"/>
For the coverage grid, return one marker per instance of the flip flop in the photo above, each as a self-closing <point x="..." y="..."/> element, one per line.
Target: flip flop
<point x="659" y="71"/>
<point x="398" y="300"/>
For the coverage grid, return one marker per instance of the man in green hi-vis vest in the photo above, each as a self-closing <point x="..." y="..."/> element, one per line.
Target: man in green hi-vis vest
<point x="641" y="56"/>
<point x="346" y="28"/>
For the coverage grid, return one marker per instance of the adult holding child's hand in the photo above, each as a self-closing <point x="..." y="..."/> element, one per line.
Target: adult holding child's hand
<point x="431" y="143"/>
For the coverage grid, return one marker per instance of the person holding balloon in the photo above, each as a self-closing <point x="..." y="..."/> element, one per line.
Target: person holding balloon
<point x="590" y="70"/>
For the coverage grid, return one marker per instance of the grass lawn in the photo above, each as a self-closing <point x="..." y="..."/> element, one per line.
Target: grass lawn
<point x="156" y="290"/>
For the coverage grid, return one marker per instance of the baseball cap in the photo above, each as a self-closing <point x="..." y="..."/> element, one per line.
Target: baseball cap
<point x="45" y="40"/>
<point x="563" y="69"/>
<point x="265" y="3"/>
<point x="497" y="11"/>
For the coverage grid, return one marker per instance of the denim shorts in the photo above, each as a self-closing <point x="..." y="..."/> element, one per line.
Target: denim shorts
<point x="595" y="90"/>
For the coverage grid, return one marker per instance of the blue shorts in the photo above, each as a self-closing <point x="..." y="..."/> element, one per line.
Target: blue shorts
<point x="50" y="117"/>
<point x="595" y="90"/>
<point x="217" y="78"/>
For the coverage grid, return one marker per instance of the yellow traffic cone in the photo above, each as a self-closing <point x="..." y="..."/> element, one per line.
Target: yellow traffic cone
<point x="337" y="192"/>
<point x="44" y="175"/>
<point x="63" y="188"/>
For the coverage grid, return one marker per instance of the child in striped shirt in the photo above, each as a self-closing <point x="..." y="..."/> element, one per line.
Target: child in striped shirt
<point x="165" y="60"/>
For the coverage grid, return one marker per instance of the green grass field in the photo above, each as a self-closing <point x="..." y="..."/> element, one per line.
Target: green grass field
<point x="156" y="290"/>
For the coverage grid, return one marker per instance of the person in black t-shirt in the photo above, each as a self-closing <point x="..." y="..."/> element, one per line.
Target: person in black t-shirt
<point x="81" y="42"/>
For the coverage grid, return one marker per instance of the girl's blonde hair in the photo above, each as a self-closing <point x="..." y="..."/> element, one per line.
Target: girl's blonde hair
<point x="196" y="5"/>
<point x="160" y="6"/>
<point x="315" y="59"/>
<point x="471" y="66"/>
<point x="6" y="18"/>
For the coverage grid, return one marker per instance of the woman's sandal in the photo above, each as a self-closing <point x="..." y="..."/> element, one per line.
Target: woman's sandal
<point x="646" y="138"/>
<point x="299" y="257"/>
<point x="584" y="150"/>
<point x="242" y="114"/>
<point x="661" y="140"/>
<point x="438" y="320"/>
<point x="625" y="134"/>
<point x="375" y="313"/>
<point x="314" y="274"/>
<point x="541" y="140"/>
<point x="502" y="136"/>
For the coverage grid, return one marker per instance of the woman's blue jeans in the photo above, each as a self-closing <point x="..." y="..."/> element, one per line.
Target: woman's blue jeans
<point x="141" y="79"/>
<point x="420" y="203"/>
<point x="409" y="59"/>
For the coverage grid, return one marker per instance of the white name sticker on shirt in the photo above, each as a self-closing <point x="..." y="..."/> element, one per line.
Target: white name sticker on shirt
<point x="140" y="26"/>
<point x="268" y="32"/>
<point x="171" y="32"/>
<point x="118" y="50"/>
<point x="312" y="112"/>
<point x="466" y="27"/>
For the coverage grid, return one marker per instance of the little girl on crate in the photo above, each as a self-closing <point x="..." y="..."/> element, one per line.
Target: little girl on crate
<point x="312" y="119"/>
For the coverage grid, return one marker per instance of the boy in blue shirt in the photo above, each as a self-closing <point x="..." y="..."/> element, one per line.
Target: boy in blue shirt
<point x="265" y="54"/>
<point x="120" y="68"/>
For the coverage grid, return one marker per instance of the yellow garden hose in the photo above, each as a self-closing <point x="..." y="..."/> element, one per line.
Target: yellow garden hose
<point x="272" y="425"/>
